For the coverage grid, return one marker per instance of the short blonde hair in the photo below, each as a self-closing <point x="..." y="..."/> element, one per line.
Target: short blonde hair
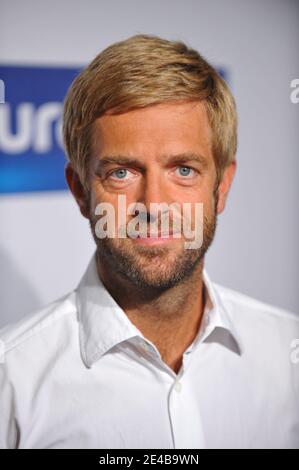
<point x="141" y="71"/>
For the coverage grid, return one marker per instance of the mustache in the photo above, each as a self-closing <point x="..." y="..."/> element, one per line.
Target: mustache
<point x="151" y="225"/>
<point x="160" y="219"/>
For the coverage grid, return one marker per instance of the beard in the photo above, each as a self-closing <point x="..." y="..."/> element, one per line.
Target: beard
<point x="153" y="269"/>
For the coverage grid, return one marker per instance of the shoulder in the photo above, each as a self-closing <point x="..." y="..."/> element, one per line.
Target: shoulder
<point x="255" y="306"/>
<point x="269" y="339"/>
<point x="259" y="322"/>
<point x="29" y="350"/>
<point x="54" y="319"/>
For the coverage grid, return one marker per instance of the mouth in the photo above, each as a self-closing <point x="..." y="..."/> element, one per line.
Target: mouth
<point x="158" y="239"/>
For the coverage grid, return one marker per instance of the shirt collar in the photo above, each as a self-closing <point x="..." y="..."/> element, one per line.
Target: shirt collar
<point x="104" y="324"/>
<point x="216" y="324"/>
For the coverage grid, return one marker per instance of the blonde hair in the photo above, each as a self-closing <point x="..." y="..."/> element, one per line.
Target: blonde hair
<point x="141" y="71"/>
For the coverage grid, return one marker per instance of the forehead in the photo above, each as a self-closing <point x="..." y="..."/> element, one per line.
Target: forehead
<point x="161" y="129"/>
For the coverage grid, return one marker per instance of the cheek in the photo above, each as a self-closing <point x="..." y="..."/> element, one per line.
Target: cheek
<point x="203" y="207"/>
<point x="209" y="206"/>
<point x="116" y="205"/>
<point x="202" y="194"/>
<point x="99" y="195"/>
<point x="94" y="202"/>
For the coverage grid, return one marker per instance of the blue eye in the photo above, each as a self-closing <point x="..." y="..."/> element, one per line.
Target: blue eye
<point x="121" y="173"/>
<point x="184" y="170"/>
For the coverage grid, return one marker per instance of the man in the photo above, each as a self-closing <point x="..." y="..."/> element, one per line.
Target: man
<point x="148" y="352"/>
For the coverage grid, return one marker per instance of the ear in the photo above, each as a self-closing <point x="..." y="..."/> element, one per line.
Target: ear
<point x="77" y="189"/>
<point x="225" y="184"/>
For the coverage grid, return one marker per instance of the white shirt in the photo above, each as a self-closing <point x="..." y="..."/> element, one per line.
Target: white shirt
<point x="79" y="374"/>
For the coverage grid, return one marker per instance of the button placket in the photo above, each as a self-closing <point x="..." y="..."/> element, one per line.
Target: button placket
<point x="178" y="386"/>
<point x="185" y="416"/>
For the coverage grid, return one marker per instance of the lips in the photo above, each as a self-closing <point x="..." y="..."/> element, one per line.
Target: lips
<point x="159" y="235"/>
<point x="161" y="239"/>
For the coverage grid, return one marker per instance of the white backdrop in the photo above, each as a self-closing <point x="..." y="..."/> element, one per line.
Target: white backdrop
<point x="45" y="244"/>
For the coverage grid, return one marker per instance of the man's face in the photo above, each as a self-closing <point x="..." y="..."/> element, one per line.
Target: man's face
<point x="156" y="149"/>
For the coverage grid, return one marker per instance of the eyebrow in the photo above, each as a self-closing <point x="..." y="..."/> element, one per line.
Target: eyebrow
<point x="118" y="159"/>
<point x="185" y="158"/>
<point x="135" y="162"/>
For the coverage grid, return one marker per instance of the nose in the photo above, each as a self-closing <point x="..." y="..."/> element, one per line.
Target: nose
<point x="146" y="216"/>
<point x="153" y="189"/>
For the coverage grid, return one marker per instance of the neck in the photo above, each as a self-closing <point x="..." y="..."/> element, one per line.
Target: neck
<point x="169" y="319"/>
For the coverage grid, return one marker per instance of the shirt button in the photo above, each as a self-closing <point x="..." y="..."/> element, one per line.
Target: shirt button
<point x="178" y="386"/>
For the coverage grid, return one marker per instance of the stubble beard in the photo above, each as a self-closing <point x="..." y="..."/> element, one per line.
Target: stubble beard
<point x="153" y="268"/>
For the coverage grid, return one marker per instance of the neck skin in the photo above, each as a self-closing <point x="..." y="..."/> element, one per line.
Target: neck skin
<point x="169" y="319"/>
